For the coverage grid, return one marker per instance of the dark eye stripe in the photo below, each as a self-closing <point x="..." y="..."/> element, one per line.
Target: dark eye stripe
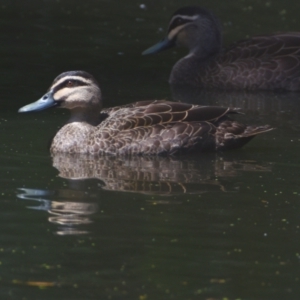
<point x="178" y="22"/>
<point x="75" y="82"/>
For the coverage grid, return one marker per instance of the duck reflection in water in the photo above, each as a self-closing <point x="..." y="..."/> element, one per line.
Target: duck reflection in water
<point x="155" y="175"/>
<point x="89" y="177"/>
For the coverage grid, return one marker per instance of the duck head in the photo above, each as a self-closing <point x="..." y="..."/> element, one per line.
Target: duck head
<point x="192" y="27"/>
<point x="77" y="91"/>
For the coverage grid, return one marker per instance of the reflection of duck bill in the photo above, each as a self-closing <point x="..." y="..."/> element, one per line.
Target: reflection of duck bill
<point x="32" y="194"/>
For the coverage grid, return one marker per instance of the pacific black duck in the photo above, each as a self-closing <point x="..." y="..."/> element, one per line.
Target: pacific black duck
<point x="265" y="62"/>
<point x="141" y="128"/>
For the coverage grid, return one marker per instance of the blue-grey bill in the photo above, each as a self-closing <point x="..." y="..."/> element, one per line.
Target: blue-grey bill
<point x="43" y="103"/>
<point x="162" y="45"/>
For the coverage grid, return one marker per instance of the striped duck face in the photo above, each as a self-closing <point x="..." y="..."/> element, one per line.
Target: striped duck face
<point x="72" y="90"/>
<point x="186" y="27"/>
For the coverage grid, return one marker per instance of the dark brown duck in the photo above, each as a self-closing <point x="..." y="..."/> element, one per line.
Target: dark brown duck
<point x="266" y="62"/>
<point x="141" y="128"/>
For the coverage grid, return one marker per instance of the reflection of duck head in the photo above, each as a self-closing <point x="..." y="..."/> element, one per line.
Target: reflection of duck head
<point x="141" y="128"/>
<point x="62" y="207"/>
<point x="269" y="62"/>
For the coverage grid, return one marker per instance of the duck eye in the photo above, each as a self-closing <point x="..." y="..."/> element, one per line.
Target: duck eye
<point x="70" y="83"/>
<point x="179" y="21"/>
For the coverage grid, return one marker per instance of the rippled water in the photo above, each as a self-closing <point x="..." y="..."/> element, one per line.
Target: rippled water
<point x="215" y="226"/>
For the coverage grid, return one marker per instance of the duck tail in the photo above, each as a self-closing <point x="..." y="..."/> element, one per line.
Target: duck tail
<point x="233" y="140"/>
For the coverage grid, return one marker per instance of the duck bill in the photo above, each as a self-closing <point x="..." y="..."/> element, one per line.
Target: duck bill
<point x="43" y="103"/>
<point x="161" y="46"/>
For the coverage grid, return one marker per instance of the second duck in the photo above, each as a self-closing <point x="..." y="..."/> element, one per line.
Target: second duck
<point x="266" y="62"/>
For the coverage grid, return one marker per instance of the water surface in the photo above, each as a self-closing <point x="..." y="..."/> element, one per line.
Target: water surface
<point x="215" y="226"/>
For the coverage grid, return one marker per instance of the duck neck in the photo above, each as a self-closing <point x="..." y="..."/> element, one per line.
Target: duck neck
<point x="193" y="66"/>
<point x="207" y="47"/>
<point x="87" y="115"/>
<point x="203" y="38"/>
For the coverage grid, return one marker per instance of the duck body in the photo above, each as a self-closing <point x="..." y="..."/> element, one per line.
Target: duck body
<point x="270" y="62"/>
<point x="156" y="128"/>
<point x="141" y="128"/>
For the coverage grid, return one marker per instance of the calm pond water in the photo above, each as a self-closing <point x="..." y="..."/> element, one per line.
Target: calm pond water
<point x="215" y="226"/>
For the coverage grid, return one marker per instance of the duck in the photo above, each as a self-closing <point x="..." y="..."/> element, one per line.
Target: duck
<point x="149" y="127"/>
<point x="263" y="62"/>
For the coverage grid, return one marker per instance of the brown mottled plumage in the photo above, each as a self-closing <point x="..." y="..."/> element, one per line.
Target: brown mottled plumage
<point x="270" y="62"/>
<point x="141" y="128"/>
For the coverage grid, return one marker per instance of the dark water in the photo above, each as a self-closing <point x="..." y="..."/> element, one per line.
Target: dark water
<point x="219" y="226"/>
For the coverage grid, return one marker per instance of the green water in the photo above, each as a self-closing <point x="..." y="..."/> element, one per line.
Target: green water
<point x="215" y="226"/>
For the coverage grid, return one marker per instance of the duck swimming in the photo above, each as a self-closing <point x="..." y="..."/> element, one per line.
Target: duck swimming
<point x="266" y="62"/>
<point x="141" y="128"/>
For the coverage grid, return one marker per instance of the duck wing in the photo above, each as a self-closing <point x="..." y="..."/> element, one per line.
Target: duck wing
<point x="163" y="127"/>
<point x="264" y="62"/>
<point x="177" y="138"/>
<point x="150" y="113"/>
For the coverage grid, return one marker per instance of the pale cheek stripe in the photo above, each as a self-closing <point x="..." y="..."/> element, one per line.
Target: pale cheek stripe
<point x="175" y="31"/>
<point x="61" y="93"/>
<point x="66" y="93"/>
